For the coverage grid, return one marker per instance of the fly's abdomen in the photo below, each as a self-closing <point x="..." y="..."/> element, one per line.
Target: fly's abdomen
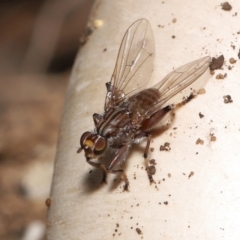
<point x="142" y="102"/>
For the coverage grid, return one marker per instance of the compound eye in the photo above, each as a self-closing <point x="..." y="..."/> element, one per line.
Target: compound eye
<point x="85" y="139"/>
<point x="100" y="145"/>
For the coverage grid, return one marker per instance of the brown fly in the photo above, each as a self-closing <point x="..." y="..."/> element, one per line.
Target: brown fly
<point x="131" y="110"/>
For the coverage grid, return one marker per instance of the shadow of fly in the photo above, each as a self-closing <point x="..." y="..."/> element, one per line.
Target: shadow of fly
<point x="131" y="110"/>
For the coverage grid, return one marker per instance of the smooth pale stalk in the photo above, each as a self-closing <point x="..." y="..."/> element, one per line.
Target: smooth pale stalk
<point x="197" y="192"/>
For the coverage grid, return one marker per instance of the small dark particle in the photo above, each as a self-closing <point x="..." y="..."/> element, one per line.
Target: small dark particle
<point x="166" y="203"/>
<point x="232" y="60"/>
<point x="189" y="98"/>
<point x="165" y="147"/>
<point x="201" y="91"/>
<point x="212" y="72"/>
<point x="220" y="76"/>
<point x="151" y="149"/>
<point x="90" y="171"/>
<point x="190" y="174"/>
<point x="105" y="49"/>
<point x="201" y="115"/>
<point x="151" y="170"/>
<point x="117" y="225"/>
<point x="139" y="231"/>
<point x="85" y="36"/>
<point x="48" y="202"/>
<point x="226" y="6"/>
<point x="174" y="20"/>
<point x="152" y="161"/>
<point x="134" y="176"/>
<point x="227" y="99"/>
<point x="173" y="36"/>
<point x="239" y="54"/>
<point x="213" y="138"/>
<point x="169" y="175"/>
<point x="199" y="141"/>
<point x="216" y="63"/>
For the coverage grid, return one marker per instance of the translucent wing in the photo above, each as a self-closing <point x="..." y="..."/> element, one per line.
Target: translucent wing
<point x="179" y="80"/>
<point x="134" y="63"/>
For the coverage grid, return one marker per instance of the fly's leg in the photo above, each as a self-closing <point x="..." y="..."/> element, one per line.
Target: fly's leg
<point x="125" y="178"/>
<point x="118" y="158"/>
<point x="145" y="155"/>
<point x="139" y="137"/>
<point x="149" y="123"/>
<point x="101" y="166"/>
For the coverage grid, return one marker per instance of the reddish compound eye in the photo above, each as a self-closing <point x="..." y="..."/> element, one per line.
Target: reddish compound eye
<point x="100" y="145"/>
<point x="84" y="140"/>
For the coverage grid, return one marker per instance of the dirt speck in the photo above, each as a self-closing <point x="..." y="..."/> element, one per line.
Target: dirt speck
<point x="232" y="60"/>
<point x="48" y="202"/>
<point x="152" y="161"/>
<point x="226" y="6"/>
<point x="201" y="115"/>
<point x="85" y="35"/>
<point x="139" y="231"/>
<point x="166" y="147"/>
<point x="190" y="174"/>
<point x="213" y="138"/>
<point x="199" y="141"/>
<point x="151" y="170"/>
<point x="217" y="63"/>
<point x="201" y="91"/>
<point x="174" y="20"/>
<point x="220" y="76"/>
<point x="227" y="99"/>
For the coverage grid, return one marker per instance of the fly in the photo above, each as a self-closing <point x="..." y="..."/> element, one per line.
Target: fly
<point x="131" y="110"/>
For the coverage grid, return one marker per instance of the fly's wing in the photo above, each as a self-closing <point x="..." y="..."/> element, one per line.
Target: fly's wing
<point x="134" y="64"/>
<point x="177" y="81"/>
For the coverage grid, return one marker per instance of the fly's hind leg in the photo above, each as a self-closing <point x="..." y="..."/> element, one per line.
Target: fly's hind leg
<point x="147" y="124"/>
<point x="118" y="158"/>
<point x="139" y="137"/>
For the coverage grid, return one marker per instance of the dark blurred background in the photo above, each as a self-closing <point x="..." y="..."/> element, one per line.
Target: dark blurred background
<point x="38" y="44"/>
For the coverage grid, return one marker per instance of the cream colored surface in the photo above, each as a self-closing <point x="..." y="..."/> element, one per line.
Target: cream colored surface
<point x="204" y="206"/>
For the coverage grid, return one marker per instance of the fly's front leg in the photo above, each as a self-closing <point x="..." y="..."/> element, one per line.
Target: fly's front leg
<point x="118" y="158"/>
<point x="139" y="137"/>
<point x="101" y="166"/>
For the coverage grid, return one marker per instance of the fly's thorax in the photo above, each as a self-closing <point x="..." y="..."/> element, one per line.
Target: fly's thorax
<point x="116" y="121"/>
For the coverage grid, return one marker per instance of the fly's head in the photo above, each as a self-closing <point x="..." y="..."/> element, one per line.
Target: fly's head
<point x="93" y="145"/>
